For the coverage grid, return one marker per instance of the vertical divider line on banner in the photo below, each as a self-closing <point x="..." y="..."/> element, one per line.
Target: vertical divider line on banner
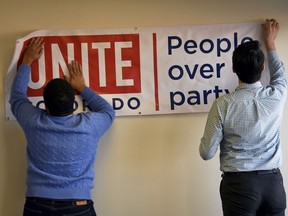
<point x="155" y="72"/>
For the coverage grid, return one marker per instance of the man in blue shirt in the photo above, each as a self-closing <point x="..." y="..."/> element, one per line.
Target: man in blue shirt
<point x="245" y="124"/>
<point x="61" y="146"/>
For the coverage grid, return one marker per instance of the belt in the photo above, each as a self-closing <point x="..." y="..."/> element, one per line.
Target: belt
<point x="58" y="201"/>
<point x="256" y="172"/>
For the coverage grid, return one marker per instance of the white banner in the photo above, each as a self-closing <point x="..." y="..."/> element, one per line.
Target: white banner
<point x="140" y="71"/>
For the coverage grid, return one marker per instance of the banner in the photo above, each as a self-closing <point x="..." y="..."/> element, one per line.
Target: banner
<point x="140" y="71"/>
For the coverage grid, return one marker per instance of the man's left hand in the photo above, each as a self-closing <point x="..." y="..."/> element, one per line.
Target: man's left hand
<point x="33" y="51"/>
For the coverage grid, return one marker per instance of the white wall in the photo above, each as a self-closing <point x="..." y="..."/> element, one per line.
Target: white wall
<point x="146" y="165"/>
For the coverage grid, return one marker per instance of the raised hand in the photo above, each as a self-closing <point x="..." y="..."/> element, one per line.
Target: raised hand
<point x="76" y="76"/>
<point x="33" y="51"/>
<point x="270" y="31"/>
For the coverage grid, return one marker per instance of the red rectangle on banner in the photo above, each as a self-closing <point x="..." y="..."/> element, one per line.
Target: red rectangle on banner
<point x="110" y="63"/>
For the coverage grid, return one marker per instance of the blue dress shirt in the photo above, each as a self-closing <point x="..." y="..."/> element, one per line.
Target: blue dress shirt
<point x="245" y="124"/>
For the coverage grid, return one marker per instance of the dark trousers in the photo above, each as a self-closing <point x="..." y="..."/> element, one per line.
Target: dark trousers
<point x="50" y="207"/>
<point x="253" y="194"/>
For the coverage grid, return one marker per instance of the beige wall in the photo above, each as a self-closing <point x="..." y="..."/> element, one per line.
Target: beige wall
<point x="146" y="165"/>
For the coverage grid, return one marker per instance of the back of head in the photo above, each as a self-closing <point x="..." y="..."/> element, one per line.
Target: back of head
<point x="59" y="97"/>
<point x="248" y="62"/>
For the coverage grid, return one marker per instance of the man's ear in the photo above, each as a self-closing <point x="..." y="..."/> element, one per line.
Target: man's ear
<point x="233" y="69"/>
<point x="263" y="67"/>
<point x="47" y="109"/>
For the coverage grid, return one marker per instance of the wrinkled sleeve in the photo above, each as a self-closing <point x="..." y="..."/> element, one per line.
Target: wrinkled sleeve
<point x="213" y="133"/>
<point x="277" y="74"/>
<point x="102" y="112"/>
<point x="21" y="106"/>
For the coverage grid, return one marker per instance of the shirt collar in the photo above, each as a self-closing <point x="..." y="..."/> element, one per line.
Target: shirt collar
<point x="249" y="86"/>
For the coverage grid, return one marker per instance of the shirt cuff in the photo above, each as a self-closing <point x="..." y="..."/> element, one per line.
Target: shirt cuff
<point x="24" y="68"/>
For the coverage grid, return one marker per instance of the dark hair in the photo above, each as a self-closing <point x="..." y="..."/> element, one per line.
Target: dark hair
<point x="59" y="97"/>
<point x="248" y="61"/>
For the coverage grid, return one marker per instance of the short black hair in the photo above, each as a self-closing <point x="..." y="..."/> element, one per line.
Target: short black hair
<point x="248" y="61"/>
<point x="59" y="97"/>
